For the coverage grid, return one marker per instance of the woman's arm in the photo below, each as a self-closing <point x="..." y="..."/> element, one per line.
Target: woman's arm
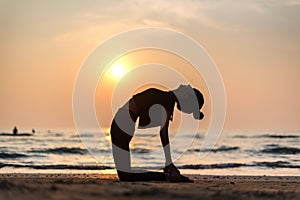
<point x="164" y="137"/>
<point x="171" y="172"/>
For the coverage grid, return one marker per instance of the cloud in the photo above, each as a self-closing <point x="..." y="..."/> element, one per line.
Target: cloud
<point x="97" y="21"/>
<point x="136" y="13"/>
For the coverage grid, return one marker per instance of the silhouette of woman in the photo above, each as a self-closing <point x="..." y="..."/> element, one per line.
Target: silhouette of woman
<point x="154" y="108"/>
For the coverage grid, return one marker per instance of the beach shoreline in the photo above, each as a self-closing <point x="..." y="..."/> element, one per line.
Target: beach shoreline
<point x="107" y="186"/>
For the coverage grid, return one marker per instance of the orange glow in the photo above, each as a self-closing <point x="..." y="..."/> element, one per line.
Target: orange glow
<point x="113" y="92"/>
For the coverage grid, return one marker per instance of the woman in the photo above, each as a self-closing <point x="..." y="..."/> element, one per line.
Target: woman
<point x="154" y="108"/>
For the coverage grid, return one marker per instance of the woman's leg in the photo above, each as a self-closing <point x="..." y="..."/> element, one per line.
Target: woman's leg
<point x="122" y="130"/>
<point x="120" y="149"/>
<point x="121" y="138"/>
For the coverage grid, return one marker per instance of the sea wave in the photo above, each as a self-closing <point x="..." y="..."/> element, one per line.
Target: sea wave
<point x="140" y="150"/>
<point x="88" y="135"/>
<point x="11" y="155"/>
<point x="267" y="136"/>
<point x="214" y="166"/>
<point x="277" y="164"/>
<point x="220" y="149"/>
<point x="277" y="136"/>
<point x="75" y="167"/>
<point x="60" y="150"/>
<point x="14" y="135"/>
<point x="276" y="149"/>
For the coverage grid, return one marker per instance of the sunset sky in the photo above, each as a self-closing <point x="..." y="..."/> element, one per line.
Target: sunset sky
<point x="255" y="44"/>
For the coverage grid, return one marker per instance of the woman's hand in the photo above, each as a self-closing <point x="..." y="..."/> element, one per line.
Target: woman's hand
<point x="172" y="174"/>
<point x="171" y="169"/>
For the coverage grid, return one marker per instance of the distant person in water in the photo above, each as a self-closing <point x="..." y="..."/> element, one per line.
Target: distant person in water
<point x="15" y="131"/>
<point x="154" y="108"/>
<point x="33" y="131"/>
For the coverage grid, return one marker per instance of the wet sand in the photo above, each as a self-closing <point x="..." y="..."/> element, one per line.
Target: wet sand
<point x="99" y="186"/>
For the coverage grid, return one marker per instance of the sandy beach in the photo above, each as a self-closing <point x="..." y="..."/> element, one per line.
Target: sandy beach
<point x="99" y="186"/>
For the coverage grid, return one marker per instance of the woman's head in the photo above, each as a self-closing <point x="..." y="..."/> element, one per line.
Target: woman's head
<point x="189" y="100"/>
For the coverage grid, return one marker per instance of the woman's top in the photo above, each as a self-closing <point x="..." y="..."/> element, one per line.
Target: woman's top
<point x="153" y="107"/>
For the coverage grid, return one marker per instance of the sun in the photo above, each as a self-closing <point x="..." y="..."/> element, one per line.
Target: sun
<point x="117" y="70"/>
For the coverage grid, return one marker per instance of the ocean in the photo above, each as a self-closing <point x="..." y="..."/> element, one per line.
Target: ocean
<point x="236" y="153"/>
